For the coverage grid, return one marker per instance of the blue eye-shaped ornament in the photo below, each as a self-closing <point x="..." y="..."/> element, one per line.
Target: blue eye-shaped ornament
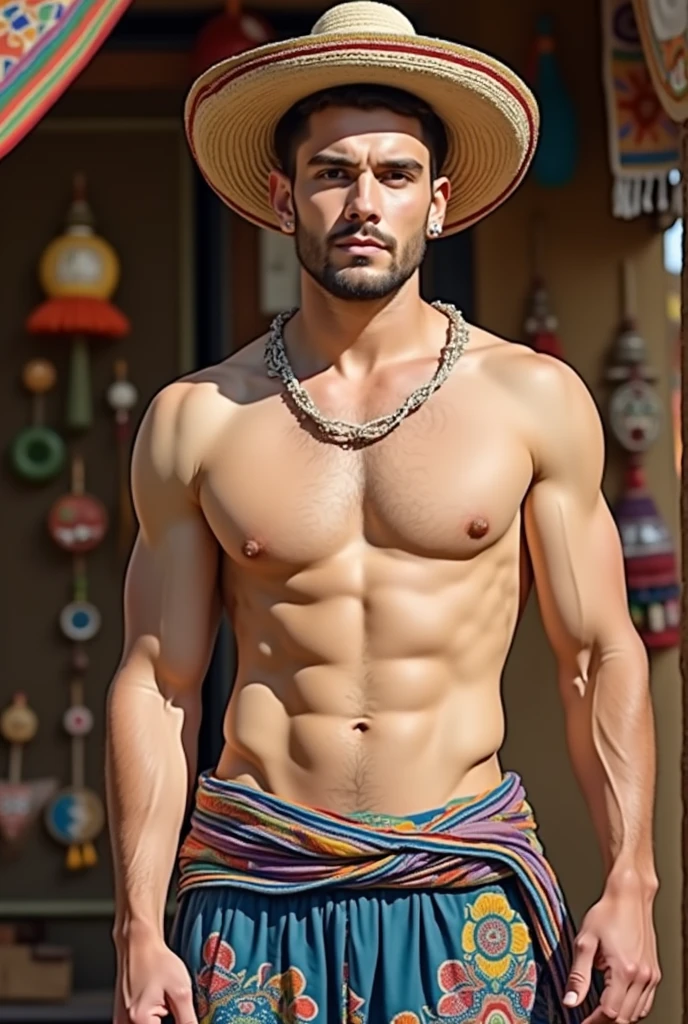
<point x="80" y="621"/>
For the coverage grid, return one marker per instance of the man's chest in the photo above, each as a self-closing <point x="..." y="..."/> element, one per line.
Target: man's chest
<point x="446" y="484"/>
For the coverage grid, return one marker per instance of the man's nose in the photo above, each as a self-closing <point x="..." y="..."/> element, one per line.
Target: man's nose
<point x="364" y="199"/>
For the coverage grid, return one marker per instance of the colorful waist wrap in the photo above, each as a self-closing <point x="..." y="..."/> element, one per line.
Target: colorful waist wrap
<point x="250" y="840"/>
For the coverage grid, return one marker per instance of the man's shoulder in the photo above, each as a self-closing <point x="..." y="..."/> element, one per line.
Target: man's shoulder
<point x="543" y="383"/>
<point x="548" y="403"/>
<point x="217" y="389"/>
<point x="185" y="418"/>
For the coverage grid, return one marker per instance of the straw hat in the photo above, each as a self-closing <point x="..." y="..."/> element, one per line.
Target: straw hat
<point x="490" y="115"/>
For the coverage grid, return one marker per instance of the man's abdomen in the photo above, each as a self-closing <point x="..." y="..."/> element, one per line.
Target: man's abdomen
<point x="388" y="761"/>
<point x="375" y="684"/>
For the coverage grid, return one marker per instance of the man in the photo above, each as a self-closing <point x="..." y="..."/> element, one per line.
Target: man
<point x="355" y="488"/>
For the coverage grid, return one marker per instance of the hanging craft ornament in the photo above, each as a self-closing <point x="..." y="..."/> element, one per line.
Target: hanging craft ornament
<point x="541" y="325"/>
<point x="556" y="157"/>
<point x="356" y="435"/>
<point x="79" y="271"/>
<point x="635" y="418"/>
<point x="76" y="816"/>
<point x="643" y="140"/>
<point x="122" y="396"/>
<point x="663" y="27"/>
<point x="38" y="453"/>
<point x="78" y="523"/>
<point x="20" y="802"/>
<point x="232" y="32"/>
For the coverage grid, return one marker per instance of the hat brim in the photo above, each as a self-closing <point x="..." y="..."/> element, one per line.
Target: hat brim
<point x="490" y="115"/>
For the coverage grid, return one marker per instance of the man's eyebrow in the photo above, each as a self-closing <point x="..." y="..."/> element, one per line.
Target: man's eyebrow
<point x="326" y="159"/>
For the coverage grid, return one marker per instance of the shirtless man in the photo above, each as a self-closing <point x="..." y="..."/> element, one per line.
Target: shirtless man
<point x="347" y="859"/>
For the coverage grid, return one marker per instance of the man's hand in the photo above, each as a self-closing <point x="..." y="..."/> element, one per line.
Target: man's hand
<point x="617" y="937"/>
<point x="152" y="982"/>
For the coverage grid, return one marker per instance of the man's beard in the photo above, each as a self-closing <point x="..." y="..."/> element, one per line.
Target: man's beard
<point x="314" y="256"/>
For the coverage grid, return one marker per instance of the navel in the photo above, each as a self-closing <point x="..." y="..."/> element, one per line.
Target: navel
<point x="478" y="528"/>
<point x="252" y="548"/>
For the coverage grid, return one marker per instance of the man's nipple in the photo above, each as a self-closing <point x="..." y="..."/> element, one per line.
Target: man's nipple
<point x="478" y="528"/>
<point x="252" y="548"/>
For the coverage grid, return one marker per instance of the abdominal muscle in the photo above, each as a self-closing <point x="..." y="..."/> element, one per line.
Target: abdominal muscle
<point x="383" y="697"/>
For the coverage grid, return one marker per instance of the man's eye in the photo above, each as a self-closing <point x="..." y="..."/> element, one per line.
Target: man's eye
<point x="332" y="173"/>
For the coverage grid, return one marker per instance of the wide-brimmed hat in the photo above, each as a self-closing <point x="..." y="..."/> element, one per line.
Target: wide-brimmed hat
<point x="490" y="115"/>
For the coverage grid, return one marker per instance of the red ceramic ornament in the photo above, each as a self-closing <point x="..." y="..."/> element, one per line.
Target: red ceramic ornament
<point x="78" y="523"/>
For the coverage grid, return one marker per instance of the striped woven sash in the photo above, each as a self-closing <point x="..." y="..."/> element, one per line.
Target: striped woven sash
<point x="255" y="841"/>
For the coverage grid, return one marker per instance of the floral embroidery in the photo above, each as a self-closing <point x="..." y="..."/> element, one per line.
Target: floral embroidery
<point x="493" y="936"/>
<point x="226" y="996"/>
<point x="495" y="981"/>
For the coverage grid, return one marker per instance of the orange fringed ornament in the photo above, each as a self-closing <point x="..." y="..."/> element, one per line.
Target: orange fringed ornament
<point x="79" y="272"/>
<point x="227" y="34"/>
<point x="541" y="326"/>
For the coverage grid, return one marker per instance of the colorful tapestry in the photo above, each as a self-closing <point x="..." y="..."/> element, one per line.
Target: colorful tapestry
<point x="643" y="140"/>
<point x="44" y="44"/>
<point x="663" y="26"/>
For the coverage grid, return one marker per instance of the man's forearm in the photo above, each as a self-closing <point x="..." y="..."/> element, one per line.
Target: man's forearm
<point x="611" y="742"/>
<point x="148" y="769"/>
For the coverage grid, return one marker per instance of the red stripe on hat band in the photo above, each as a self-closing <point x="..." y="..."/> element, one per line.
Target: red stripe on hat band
<point x="266" y="60"/>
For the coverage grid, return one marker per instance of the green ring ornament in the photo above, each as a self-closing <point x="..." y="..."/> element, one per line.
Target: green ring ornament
<point x="38" y="454"/>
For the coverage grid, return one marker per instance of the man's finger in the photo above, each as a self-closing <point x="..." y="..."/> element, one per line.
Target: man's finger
<point x="146" y="1012"/>
<point x="648" y="998"/>
<point x="578" y="984"/>
<point x="182" y="1005"/>
<point x="630" y="1008"/>
<point x="620" y="979"/>
<point x="598" y="1016"/>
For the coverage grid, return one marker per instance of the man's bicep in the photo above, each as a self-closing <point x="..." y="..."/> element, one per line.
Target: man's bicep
<point x="578" y="568"/>
<point x="171" y="600"/>
<point x="573" y="540"/>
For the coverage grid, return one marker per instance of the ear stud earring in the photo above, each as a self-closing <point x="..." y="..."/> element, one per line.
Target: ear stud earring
<point x="435" y="230"/>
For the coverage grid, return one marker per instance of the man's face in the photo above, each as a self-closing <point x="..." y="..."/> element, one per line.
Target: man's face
<point x="361" y="200"/>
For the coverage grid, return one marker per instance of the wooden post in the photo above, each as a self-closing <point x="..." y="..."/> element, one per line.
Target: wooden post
<point x="684" y="553"/>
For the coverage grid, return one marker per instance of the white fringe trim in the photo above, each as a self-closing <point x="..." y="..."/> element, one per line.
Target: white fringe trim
<point x="653" y="193"/>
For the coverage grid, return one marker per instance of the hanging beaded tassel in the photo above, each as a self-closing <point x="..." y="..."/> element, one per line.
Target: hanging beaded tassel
<point x="649" y="558"/>
<point x="78" y="522"/>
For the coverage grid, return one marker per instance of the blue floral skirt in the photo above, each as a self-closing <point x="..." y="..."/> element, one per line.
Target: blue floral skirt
<point x="363" y="957"/>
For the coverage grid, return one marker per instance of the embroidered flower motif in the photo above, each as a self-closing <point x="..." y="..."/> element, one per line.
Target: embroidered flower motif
<point x="226" y="996"/>
<point x="493" y="935"/>
<point x="458" y="987"/>
<point x="495" y="981"/>
<point x="293" y="1006"/>
<point x="499" y="1010"/>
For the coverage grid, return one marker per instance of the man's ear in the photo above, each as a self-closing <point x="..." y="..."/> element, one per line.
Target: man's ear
<point x="441" y="192"/>
<point x="282" y="200"/>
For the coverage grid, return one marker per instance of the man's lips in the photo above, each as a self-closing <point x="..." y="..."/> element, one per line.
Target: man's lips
<point x="362" y="244"/>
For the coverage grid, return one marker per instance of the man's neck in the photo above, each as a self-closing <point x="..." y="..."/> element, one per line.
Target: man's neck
<point x="356" y="338"/>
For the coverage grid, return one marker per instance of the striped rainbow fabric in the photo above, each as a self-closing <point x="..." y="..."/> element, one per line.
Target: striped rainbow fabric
<point x="255" y="841"/>
<point x="44" y="44"/>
